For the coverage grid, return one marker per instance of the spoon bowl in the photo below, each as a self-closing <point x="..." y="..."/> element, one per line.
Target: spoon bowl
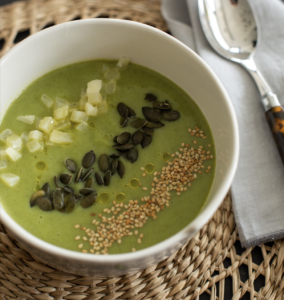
<point x="231" y="30"/>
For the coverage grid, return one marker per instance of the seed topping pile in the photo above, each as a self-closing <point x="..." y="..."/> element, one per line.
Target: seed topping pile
<point x="124" y="219"/>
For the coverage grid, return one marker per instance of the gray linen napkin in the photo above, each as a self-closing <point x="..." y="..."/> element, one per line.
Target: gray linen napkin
<point x="258" y="187"/>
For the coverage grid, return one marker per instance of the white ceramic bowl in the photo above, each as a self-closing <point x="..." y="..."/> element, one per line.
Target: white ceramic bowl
<point x="105" y="38"/>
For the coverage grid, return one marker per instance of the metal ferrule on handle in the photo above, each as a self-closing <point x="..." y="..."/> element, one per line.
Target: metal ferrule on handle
<point x="270" y="100"/>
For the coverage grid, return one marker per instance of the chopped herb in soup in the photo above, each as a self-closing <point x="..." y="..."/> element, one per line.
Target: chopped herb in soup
<point x="104" y="157"/>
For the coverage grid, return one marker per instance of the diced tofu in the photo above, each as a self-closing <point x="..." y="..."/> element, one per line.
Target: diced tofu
<point x="63" y="125"/>
<point x="90" y="109"/>
<point x="25" y="137"/>
<point x="10" y="179"/>
<point x="36" y="135"/>
<point x="46" y="101"/>
<point x="14" y="141"/>
<point x="82" y="102"/>
<point x="95" y="98"/>
<point x="59" y="137"/>
<point x="26" y="119"/>
<point x="78" y="116"/>
<point x="46" y="124"/>
<point x="123" y="62"/>
<point x="59" y="102"/>
<point x="93" y="91"/>
<point x="110" y="87"/>
<point x="61" y="112"/>
<point x="82" y="126"/>
<point x="112" y="74"/>
<point x="13" y="154"/>
<point x="35" y="145"/>
<point x="94" y="86"/>
<point x="5" y="134"/>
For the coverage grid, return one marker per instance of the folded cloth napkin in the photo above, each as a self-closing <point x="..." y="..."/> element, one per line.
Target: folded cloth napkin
<point x="258" y="187"/>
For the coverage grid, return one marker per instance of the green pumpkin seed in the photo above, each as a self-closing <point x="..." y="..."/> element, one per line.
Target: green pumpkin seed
<point x="133" y="155"/>
<point x="107" y="178"/>
<point x="113" y="166"/>
<point x="65" y="178"/>
<point x="122" y="110"/>
<point x="123" y="138"/>
<point x="146" y="141"/>
<point x="79" y="175"/>
<point x="68" y="190"/>
<point x="58" y="199"/>
<point x="149" y="131"/>
<point x="89" y="182"/>
<point x="46" y="189"/>
<point x="87" y="175"/>
<point x="120" y="169"/>
<point x="123" y="148"/>
<point x="154" y="125"/>
<point x="88" y="200"/>
<point x="55" y="181"/>
<point x="70" y="202"/>
<point x="137" y="137"/>
<point x="88" y="159"/>
<point x="150" y="97"/>
<point x="70" y="164"/>
<point x="162" y="105"/>
<point x="124" y="122"/>
<point x="35" y="195"/>
<point x="86" y="191"/>
<point x="44" y="204"/>
<point x="99" y="179"/>
<point x="131" y="113"/>
<point x="171" y="115"/>
<point x="150" y="114"/>
<point x="103" y="163"/>
<point x="138" y="123"/>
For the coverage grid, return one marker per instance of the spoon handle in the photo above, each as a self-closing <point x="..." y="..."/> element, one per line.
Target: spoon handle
<point x="275" y="119"/>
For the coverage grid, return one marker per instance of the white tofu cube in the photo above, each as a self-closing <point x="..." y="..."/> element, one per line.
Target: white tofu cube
<point x="94" y="86"/>
<point x="123" y="62"/>
<point x="78" y="117"/>
<point x="13" y="154"/>
<point x="59" y="137"/>
<point x="63" y="125"/>
<point x="95" y="98"/>
<point x="82" y="126"/>
<point x="14" y="141"/>
<point x="46" y="101"/>
<point x="90" y="109"/>
<point x="46" y="124"/>
<point x="3" y="164"/>
<point x="36" y="135"/>
<point x="112" y="74"/>
<point x="61" y="112"/>
<point x="5" y="134"/>
<point x="34" y="145"/>
<point x="10" y="179"/>
<point x="26" y="119"/>
<point x="110" y="87"/>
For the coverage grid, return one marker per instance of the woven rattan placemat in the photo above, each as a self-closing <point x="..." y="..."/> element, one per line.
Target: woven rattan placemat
<point x="202" y="269"/>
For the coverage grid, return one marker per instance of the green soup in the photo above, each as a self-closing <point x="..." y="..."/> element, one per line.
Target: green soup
<point x="103" y="228"/>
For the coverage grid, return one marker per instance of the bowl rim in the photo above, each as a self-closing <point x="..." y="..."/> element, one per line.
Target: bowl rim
<point x="202" y="218"/>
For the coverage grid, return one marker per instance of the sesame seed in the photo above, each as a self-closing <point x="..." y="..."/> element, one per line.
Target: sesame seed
<point x="77" y="226"/>
<point x="80" y="246"/>
<point x="145" y="188"/>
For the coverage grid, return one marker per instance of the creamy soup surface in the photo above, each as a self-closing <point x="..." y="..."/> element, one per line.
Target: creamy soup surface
<point x="150" y="203"/>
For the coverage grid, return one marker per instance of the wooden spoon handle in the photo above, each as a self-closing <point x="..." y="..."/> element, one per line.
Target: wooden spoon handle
<point x="275" y="119"/>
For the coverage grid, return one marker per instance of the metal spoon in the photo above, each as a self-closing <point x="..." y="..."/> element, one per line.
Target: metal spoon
<point x="230" y="28"/>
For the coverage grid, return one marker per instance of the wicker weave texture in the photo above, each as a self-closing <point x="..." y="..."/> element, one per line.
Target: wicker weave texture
<point x="200" y="268"/>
